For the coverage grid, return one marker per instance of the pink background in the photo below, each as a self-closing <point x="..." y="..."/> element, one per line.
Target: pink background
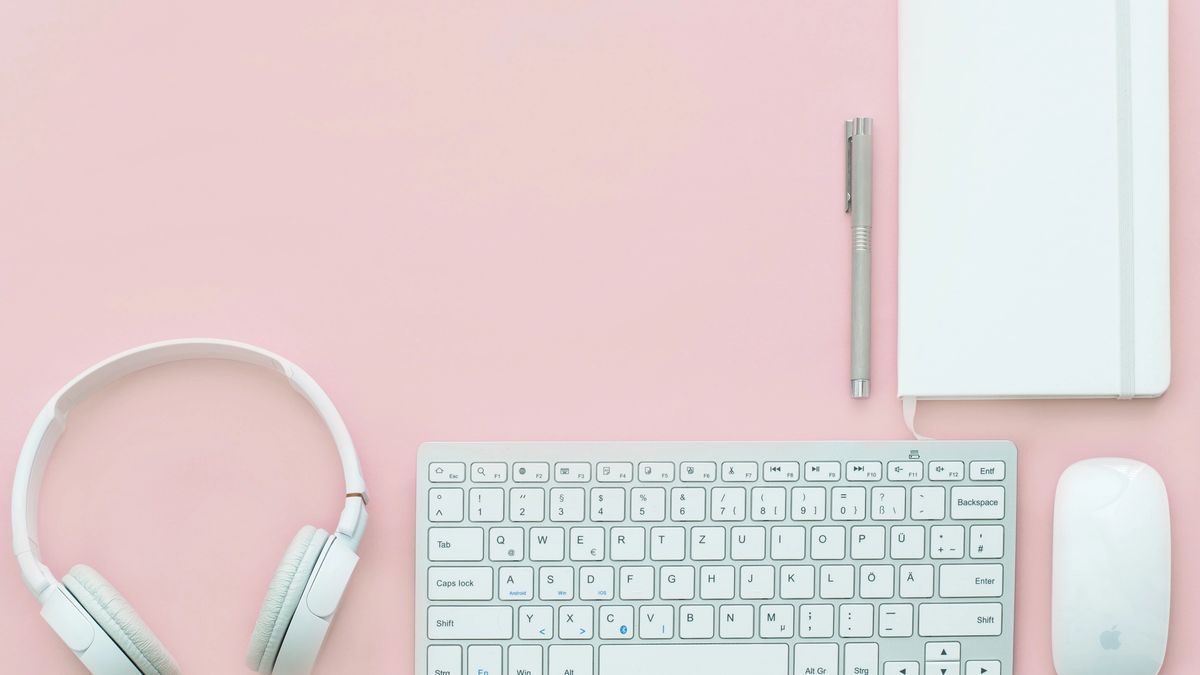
<point x="608" y="221"/>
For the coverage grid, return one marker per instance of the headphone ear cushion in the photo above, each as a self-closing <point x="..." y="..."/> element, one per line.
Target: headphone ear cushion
<point x="116" y="616"/>
<point x="283" y="596"/>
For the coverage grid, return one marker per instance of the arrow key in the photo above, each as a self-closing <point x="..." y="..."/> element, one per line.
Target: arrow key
<point x="943" y="651"/>
<point x="983" y="668"/>
<point x="901" y="668"/>
<point x="942" y="668"/>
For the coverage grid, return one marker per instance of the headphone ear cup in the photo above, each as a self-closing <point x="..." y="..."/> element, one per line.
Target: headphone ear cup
<point x="283" y="596"/>
<point x="116" y="616"/>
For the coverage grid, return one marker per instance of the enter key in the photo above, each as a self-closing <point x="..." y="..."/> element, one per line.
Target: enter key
<point x="972" y="581"/>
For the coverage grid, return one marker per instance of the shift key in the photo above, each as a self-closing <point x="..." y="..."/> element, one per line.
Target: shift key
<point x="470" y="623"/>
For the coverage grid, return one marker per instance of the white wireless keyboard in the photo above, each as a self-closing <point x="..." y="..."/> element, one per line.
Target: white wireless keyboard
<point x="806" y="558"/>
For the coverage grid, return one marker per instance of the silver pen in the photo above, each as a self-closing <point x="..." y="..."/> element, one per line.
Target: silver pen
<point x="858" y="205"/>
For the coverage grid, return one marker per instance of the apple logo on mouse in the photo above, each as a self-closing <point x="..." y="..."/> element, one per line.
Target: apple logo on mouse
<point x="1111" y="639"/>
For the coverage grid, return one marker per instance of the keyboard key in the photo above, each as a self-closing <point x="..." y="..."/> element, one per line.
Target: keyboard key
<point x="823" y="471"/>
<point x="698" y="472"/>
<point x="531" y="472"/>
<point x="693" y="659"/>
<point x="484" y="659"/>
<point x="608" y="505"/>
<point x="489" y="472"/>
<point x="527" y="505"/>
<point x="739" y="472"/>
<point x="954" y="620"/>
<point x="445" y="660"/>
<point x="677" y="582"/>
<point x="849" y="503"/>
<point x="916" y="581"/>
<point x="887" y="503"/>
<point x="708" y="543"/>
<point x="908" y="542"/>
<point x="648" y="505"/>
<point x="614" y="472"/>
<point x="977" y="503"/>
<point x="797" y="582"/>
<point x="656" y="472"/>
<point x="460" y="583"/>
<point x="575" y="622"/>
<point x="928" y="503"/>
<point x="717" y="582"/>
<point x="757" y="582"/>
<point x="567" y="505"/>
<point x="946" y="471"/>
<point x="587" y="544"/>
<point x="781" y="472"/>
<point x="547" y="544"/>
<point x="697" y="622"/>
<point x="776" y="622"/>
<point x="867" y="542"/>
<point x="688" y="504"/>
<point x="666" y="543"/>
<point x="536" y="622"/>
<point x="478" y="622"/>
<point x="856" y="620"/>
<point x="816" y="621"/>
<point x="525" y="660"/>
<point x="828" y="543"/>
<point x="596" y="583"/>
<point x="486" y="505"/>
<point x="943" y="651"/>
<point x="822" y="658"/>
<point x="516" y="583"/>
<point x="768" y="503"/>
<point x="864" y="471"/>
<point x="656" y="622"/>
<point x="983" y="668"/>
<point x="447" y="472"/>
<point x="895" y="620"/>
<point x="787" y="542"/>
<point x="572" y="472"/>
<point x="637" y="583"/>
<point x="946" y="542"/>
<point x="905" y="471"/>
<point x="736" y="621"/>
<point x="506" y="544"/>
<point x="971" y="581"/>
<point x="837" y="582"/>
<point x="446" y="505"/>
<point x="728" y="504"/>
<point x="627" y="543"/>
<point x="876" y="581"/>
<point x="861" y="659"/>
<point x="808" y="503"/>
<point x="987" y="470"/>
<point x="447" y="544"/>
<point x="571" y="660"/>
<point x="748" y="543"/>
<point x="556" y="583"/>
<point x="901" y="668"/>
<point x="616" y="622"/>
<point x="987" y="541"/>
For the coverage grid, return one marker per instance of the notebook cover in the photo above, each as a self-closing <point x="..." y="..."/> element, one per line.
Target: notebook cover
<point x="1034" y="225"/>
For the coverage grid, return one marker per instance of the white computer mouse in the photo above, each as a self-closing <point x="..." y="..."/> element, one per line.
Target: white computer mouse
<point x="1112" y="569"/>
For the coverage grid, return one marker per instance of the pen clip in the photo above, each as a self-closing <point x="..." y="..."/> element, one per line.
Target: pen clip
<point x="849" y="162"/>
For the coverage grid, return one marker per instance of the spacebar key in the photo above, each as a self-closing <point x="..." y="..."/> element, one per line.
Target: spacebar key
<point x="959" y="620"/>
<point x="692" y="659"/>
<point x="470" y="623"/>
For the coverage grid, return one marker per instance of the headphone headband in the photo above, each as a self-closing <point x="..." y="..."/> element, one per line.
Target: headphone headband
<point x="51" y="422"/>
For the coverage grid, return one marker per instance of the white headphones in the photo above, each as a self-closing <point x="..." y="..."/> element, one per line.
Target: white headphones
<point x="101" y="627"/>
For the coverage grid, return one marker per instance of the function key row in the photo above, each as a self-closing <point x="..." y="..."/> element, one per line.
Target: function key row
<point x="709" y="472"/>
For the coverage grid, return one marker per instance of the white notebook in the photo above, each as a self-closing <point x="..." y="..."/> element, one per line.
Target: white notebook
<point x="1034" y="224"/>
